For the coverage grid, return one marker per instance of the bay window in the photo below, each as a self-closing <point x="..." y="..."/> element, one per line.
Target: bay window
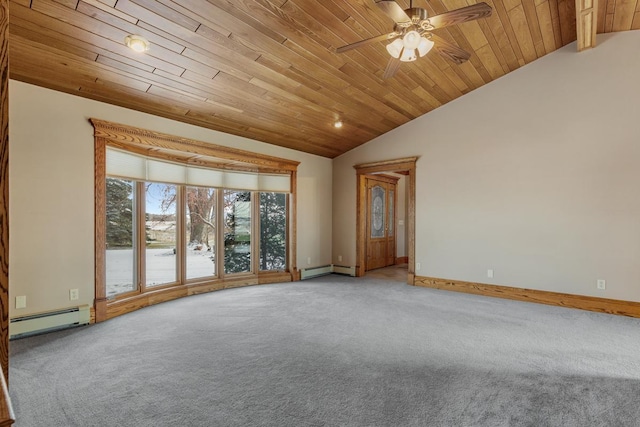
<point x="176" y="217"/>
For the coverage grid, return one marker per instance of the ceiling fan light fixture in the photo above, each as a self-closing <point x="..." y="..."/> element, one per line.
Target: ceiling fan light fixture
<point x="409" y="47"/>
<point x="425" y="46"/>
<point x="411" y="40"/>
<point x="408" y="55"/>
<point x="137" y="43"/>
<point x="395" y="48"/>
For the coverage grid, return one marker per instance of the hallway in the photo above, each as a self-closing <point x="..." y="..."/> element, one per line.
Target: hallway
<point x="395" y="273"/>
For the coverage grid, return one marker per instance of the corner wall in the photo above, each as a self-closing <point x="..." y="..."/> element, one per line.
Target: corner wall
<point x="51" y="193"/>
<point x="534" y="175"/>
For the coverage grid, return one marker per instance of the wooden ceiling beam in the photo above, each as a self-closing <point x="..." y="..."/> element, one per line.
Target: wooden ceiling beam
<point x="586" y="23"/>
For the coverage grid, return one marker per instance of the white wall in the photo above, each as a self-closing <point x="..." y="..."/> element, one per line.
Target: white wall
<point x="51" y="193"/>
<point x="535" y="175"/>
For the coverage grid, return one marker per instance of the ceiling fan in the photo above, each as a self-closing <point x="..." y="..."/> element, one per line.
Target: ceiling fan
<point x="412" y="36"/>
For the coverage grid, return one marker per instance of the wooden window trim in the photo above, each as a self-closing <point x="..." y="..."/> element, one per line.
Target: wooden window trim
<point x="191" y="152"/>
<point x="187" y="151"/>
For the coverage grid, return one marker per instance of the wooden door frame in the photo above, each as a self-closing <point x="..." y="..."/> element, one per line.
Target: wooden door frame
<point x="406" y="165"/>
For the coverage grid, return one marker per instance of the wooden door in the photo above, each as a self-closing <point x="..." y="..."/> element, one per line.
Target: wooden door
<point x="380" y="229"/>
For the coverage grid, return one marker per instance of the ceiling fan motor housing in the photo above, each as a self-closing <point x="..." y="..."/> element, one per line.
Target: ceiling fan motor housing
<point x="417" y="14"/>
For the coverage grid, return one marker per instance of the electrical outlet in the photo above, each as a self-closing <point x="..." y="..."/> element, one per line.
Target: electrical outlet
<point x="21" y="301"/>
<point x="418" y="266"/>
<point x="601" y="284"/>
<point x="74" y="294"/>
<point x="308" y="260"/>
<point x="490" y="273"/>
<point x="340" y="258"/>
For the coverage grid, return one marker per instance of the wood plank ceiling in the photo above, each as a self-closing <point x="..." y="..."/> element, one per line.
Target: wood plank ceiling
<point x="267" y="69"/>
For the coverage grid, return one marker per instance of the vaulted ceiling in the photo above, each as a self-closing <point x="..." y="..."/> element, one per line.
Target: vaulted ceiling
<point x="268" y="70"/>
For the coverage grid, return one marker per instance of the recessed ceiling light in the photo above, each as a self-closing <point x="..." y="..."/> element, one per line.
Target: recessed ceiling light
<point x="137" y="43"/>
<point x="337" y="124"/>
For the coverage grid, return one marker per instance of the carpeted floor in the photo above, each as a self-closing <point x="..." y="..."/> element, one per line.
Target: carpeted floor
<point x="334" y="351"/>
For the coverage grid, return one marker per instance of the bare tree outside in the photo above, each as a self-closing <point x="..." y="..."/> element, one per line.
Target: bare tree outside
<point x="201" y="231"/>
<point x="201" y="212"/>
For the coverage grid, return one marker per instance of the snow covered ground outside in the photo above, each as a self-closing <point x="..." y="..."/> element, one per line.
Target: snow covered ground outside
<point x="161" y="267"/>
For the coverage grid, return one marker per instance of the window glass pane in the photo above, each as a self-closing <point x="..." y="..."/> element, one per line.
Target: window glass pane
<point x="200" y="232"/>
<point x="120" y="256"/>
<point x="237" y="231"/>
<point x="377" y="211"/>
<point x="273" y="231"/>
<point x="391" y="218"/>
<point x="160" y="233"/>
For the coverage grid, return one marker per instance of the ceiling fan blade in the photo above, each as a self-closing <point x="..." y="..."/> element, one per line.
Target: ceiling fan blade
<point x="379" y="38"/>
<point x="449" y="50"/>
<point x="458" y="16"/>
<point x="392" y="67"/>
<point x="394" y="11"/>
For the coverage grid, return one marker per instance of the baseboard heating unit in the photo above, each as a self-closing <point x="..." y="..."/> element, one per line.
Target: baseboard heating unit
<point x="312" y="272"/>
<point x="345" y="270"/>
<point x="35" y="324"/>
<point x="308" y="273"/>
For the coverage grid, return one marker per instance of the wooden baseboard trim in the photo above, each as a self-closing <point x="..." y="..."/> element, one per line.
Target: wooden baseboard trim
<point x="402" y="260"/>
<point x="601" y="305"/>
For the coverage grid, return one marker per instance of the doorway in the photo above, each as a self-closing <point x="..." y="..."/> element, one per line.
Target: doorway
<point x="404" y="166"/>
